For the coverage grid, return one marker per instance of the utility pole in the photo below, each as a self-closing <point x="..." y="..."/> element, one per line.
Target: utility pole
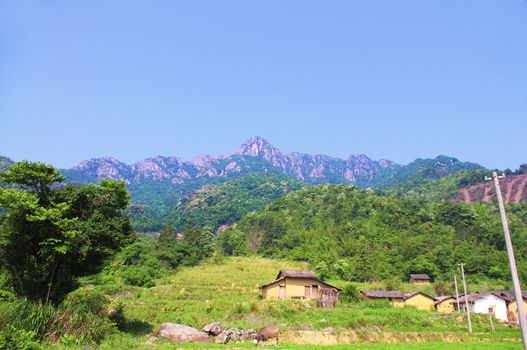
<point x="457" y="293"/>
<point x="512" y="261"/>
<point x="466" y="297"/>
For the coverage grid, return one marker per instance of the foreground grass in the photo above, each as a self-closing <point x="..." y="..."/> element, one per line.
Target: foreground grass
<point x="129" y="344"/>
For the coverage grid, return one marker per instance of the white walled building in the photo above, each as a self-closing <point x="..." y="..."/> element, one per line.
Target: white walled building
<point x="486" y="303"/>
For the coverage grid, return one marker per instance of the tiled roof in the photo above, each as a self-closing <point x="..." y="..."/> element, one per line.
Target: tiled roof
<point x="296" y="274"/>
<point x="283" y="274"/>
<point x="392" y="294"/>
<point x="481" y="294"/>
<point x="419" y="276"/>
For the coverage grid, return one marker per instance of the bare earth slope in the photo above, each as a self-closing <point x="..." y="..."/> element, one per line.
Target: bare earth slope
<point x="513" y="189"/>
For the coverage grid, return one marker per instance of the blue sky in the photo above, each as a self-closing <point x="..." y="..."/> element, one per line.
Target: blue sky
<point x="391" y="79"/>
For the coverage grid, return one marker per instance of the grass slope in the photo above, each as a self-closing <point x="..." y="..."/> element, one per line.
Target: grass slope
<point x="227" y="291"/>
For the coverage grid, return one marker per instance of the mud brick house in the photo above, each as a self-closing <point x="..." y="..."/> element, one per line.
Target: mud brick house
<point x="295" y="284"/>
<point x="419" y="278"/>
<point x="419" y="300"/>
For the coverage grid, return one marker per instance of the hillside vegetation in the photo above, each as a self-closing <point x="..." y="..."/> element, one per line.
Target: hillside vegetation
<point x="358" y="235"/>
<point x="211" y="204"/>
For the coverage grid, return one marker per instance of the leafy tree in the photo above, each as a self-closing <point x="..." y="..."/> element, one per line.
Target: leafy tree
<point x="206" y="242"/>
<point x="52" y="234"/>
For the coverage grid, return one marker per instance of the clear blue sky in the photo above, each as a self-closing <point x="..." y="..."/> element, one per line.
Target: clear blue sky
<point x="391" y="79"/>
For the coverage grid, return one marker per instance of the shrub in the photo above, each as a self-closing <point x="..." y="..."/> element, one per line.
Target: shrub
<point x="80" y="316"/>
<point x="6" y="296"/>
<point x="12" y="338"/>
<point x="379" y="304"/>
<point x="442" y="287"/>
<point x="393" y="283"/>
<point x="350" y="293"/>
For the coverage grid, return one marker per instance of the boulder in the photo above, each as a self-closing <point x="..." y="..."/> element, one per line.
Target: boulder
<point x="213" y="328"/>
<point x="222" y="338"/>
<point x="179" y="333"/>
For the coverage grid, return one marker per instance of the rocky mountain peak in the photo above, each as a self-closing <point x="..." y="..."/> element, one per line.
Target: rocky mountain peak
<point x="105" y="167"/>
<point x="257" y="146"/>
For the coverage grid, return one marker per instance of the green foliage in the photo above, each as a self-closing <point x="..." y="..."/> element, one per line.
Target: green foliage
<point x="438" y="189"/>
<point x="349" y="293"/>
<point x="210" y="203"/>
<point x="12" y="338"/>
<point x="421" y="170"/>
<point x="81" y="316"/>
<point x="357" y="235"/>
<point x="137" y="264"/>
<point x="50" y="235"/>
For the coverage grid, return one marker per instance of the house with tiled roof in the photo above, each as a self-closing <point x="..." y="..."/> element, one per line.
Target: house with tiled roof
<point x="419" y="300"/>
<point x="296" y="284"/>
<point x="419" y="278"/>
<point x="486" y="302"/>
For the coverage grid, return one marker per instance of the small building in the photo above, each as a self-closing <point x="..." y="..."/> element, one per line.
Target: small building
<point x="446" y="304"/>
<point x="419" y="278"/>
<point x="393" y="296"/>
<point x="295" y="284"/>
<point x="420" y="300"/>
<point x="512" y="307"/>
<point x="485" y="302"/>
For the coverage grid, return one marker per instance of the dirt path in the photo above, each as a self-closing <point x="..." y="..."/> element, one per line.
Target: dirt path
<point x="368" y="336"/>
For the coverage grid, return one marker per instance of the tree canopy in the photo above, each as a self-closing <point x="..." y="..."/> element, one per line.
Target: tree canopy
<point x="359" y="235"/>
<point x="51" y="233"/>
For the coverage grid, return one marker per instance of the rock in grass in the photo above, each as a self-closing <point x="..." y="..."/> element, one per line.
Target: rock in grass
<point x="179" y="333"/>
<point x="213" y="328"/>
<point x="222" y="338"/>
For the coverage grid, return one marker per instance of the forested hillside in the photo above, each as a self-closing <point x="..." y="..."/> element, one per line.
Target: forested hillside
<point x="211" y="205"/>
<point x="227" y="203"/>
<point x="358" y="235"/>
<point x="437" y="189"/>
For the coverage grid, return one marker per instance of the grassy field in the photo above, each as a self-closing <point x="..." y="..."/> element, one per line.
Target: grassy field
<point x="226" y="291"/>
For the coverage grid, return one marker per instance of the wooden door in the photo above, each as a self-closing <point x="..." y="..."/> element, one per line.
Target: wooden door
<point x="282" y="292"/>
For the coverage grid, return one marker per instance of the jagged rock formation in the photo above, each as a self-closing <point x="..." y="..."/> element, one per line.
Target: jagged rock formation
<point x="255" y="155"/>
<point x="513" y="189"/>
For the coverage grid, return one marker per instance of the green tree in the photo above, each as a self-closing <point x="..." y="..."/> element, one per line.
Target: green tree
<point x="51" y="234"/>
<point x="206" y="242"/>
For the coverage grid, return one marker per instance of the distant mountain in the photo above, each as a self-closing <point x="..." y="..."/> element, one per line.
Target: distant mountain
<point x="5" y="163"/>
<point x="425" y="169"/>
<point x="513" y="189"/>
<point x="160" y="184"/>
<point x="439" y="189"/>
<point x="256" y="155"/>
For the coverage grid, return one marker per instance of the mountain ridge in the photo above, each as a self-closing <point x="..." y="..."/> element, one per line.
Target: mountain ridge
<point x="257" y="155"/>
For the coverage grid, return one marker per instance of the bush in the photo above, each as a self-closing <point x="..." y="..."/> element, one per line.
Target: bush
<point x="350" y="293"/>
<point x="379" y="304"/>
<point x="6" y="296"/>
<point x="12" y="338"/>
<point x="393" y="283"/>
<point x="82" y="316"/>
